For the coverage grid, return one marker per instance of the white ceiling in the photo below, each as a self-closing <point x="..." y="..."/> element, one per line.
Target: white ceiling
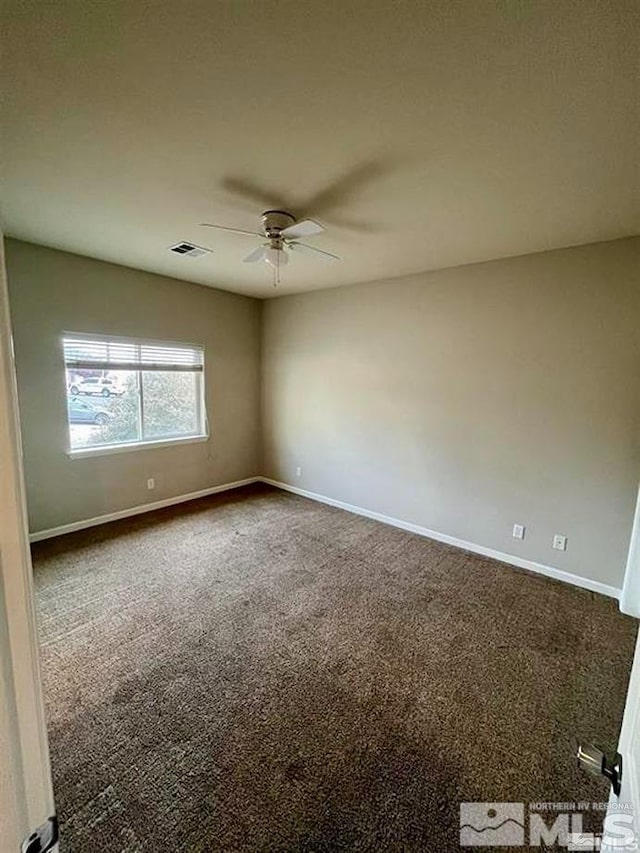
<point x="421" y="134"/>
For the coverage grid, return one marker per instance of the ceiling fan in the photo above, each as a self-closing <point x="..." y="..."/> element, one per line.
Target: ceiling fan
<point x="280" y="231"/>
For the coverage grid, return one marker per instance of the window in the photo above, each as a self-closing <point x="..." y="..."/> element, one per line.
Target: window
<point x="123" y="392"/>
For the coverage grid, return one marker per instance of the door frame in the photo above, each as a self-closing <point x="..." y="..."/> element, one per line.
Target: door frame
<point x="630" y="595"/>
<point x="629" y="740"/>
<point x="26" y="793"/>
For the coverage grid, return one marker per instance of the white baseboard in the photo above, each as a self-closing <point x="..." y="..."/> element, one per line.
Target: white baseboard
<point x="519" y="562"/>
<point x="137" y="510"/>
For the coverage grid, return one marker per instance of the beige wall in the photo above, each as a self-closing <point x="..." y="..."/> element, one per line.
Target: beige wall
<point x="52" y="292"/>
<point x="463" y="400"/>
<point x="469" y="399"/>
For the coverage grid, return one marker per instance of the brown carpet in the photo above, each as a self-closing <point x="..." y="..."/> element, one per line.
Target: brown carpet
<point x="257" y="672"/>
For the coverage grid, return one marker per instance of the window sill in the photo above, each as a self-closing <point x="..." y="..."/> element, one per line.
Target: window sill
<point x="107" y="450"/>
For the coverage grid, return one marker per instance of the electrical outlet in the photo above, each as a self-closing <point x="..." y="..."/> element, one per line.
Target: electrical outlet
<point x="151" y="483"/>
<point x="560" y="542"/>
<point x="298" y="471"/>
<point x="518" y="531"/>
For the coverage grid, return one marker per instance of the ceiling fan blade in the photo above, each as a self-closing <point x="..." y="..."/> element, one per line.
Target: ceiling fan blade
<point x="233" y="230"/>
<point x="256" y="255"/>
<point x="304" y="228"/>
<point x="311" y="250"/>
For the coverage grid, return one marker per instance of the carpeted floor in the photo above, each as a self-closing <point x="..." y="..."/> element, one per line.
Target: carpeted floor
<point x="257" y="672"/>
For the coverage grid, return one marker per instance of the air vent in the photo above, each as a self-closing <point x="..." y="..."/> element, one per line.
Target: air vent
<point x="189" y="249"/>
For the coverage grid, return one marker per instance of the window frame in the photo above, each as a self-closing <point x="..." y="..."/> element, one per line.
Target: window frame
<point x="143" y="443"/>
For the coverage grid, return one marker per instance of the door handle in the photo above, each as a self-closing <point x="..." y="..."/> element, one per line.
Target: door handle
<point x="594" y="761"/>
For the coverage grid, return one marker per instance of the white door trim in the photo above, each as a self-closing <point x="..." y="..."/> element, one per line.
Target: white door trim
<point x="26" y="797"/>
<point x="630" y="597"/>
<point x="629" y="749"/>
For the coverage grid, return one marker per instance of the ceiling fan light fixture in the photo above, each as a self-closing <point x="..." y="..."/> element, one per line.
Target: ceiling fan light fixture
<point x="275" y="257"/>
<point x="281" y="230"/>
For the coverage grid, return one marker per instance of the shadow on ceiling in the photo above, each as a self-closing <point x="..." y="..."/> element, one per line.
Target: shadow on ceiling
<point x="322" y="204"/>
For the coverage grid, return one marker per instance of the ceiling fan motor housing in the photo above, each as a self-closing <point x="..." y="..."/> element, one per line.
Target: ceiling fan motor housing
<point x="275" y="221"/>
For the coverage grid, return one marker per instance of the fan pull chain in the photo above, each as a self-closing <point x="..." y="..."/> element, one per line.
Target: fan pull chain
<point x="276" y="271"/>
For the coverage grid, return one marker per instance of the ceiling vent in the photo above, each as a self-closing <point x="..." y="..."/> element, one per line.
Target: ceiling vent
<point x="189" y="249"/>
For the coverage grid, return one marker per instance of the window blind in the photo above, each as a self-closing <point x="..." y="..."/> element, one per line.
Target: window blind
<point x="103" y="354"/>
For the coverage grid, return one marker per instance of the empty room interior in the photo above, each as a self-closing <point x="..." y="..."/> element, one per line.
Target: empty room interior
<point x="326" y="328"/>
